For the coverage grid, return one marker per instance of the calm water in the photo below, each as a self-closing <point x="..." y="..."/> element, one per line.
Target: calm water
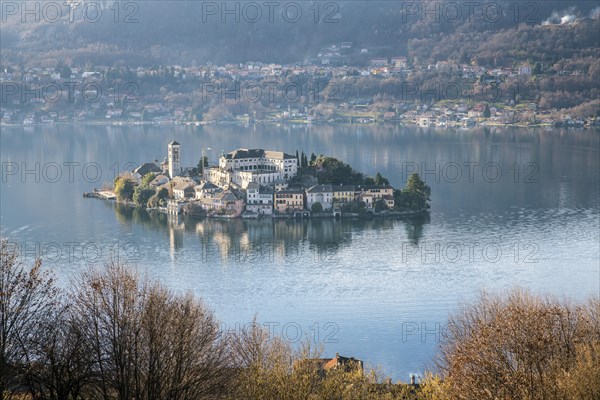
<point x="509" y="208"/>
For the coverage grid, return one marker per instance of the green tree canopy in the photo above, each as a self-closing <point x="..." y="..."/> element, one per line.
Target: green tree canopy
<point x="334" y="171"/>
<point x="416" y="185"/>
<point x="142" y="195"/>
<point x="486" y="112"/>
<point x="380" y="180"/>
<point x="124" y="188"/>
<point x="316" y="207"/>
<point x="380" y="205"/>
<point x="159" y="199"/>
<point x="149" y="177"/>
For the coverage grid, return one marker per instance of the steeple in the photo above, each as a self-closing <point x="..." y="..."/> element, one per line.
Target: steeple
<point x="174" y="158"/>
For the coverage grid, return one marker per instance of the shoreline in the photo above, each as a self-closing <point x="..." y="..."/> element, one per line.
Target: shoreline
<point x="296" y="123"/>
<point x="305" y="214"/>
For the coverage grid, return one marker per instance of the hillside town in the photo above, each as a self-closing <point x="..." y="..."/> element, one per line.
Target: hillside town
<point x="322" y="91"/>
<point x="257" y="183"/>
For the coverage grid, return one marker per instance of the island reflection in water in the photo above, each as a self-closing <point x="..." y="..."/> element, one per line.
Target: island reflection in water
<point x="265" y="239"/>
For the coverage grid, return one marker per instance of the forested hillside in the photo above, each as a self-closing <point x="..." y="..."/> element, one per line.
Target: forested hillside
<point x="187" y="32"/>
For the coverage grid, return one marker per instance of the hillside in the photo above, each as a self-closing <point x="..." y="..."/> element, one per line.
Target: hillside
<point x="194" y="32"/>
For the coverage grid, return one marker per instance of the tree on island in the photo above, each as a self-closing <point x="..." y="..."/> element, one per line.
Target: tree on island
<point x="124" y="188"/>
<point x="414" y="196"/>
<point x="159" y="199"/>
<point x="316" y="207"/>
<point x="149" y="177"/>
<point x="202" y="163"/>
<point x="380" y="205"/>
<point x="333" y="171"/>
<point x="303" y="161"/>
<point x="141" y="195"/>
<point x="416" y="185"/>
<point x="380" y="180"/>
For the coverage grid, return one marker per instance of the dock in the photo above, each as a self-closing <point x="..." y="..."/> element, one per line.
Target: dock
<point x="101" y="194"/>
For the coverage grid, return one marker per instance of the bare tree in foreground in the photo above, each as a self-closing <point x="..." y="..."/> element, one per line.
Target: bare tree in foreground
<point x="147" y="343"/>
<point x="522" y="346"/>
<point x="27" y="297"/>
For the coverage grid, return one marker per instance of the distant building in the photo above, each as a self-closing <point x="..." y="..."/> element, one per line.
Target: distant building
<point x="343" y="194"/>
<point x="206" y="189"/>
<point x="370" y="194"/>
<point x="174" y="159"/>
<point x="159" y="180"/>
<point x="525" y="69"/>
<point x="342" y="362"/>
<point x="259" y="199"/>
<point x="289" y="200"/>
<point x="379" y="62"/>
<point x="147" y="168"/>
<point x="322" y="194"/>
<point x="183" y="188"/>
<point x="245" y="166"/>
<point x="323" y="365"/>
<point x="399" y="62"/>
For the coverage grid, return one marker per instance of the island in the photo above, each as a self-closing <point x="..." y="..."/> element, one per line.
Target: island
<point x="258" y="183"/>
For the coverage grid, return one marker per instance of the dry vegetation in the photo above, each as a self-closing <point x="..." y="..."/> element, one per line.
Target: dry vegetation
<point x="116" y="336"/>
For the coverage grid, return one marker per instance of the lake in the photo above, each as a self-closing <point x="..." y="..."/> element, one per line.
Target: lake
<point x="510" y="207"/>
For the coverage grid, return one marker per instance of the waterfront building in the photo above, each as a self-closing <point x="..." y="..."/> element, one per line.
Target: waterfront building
<point x="322" y="194"/>
<point x="259" y="199"/>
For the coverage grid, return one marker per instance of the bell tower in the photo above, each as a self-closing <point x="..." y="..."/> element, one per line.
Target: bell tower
<point x="174" y="158"/>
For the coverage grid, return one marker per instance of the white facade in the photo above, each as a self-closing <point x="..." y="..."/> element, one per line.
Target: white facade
<point x="271" y="164"/>
<point x="259" y="199"/>
<point x="244" y="178"/>
<point x="174" y="159"/>
<point x="320" y="194"/>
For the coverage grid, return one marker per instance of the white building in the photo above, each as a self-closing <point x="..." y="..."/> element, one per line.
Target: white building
<point x="244" y="178"/>
<point x="259" y="199"/>
<point x="319" y="194"/>
<point x="181" y="187"/>
<point x="260" y="161"/>
<point x="174" y="159"/>
<point x="206" y="189"/>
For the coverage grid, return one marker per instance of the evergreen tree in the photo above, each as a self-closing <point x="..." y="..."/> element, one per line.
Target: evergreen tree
<point x="486" y="112"/>
<point x="380" y="180"/>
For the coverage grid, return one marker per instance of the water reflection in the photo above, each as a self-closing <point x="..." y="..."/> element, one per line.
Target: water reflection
<point x="368" y="276"/>
<point x="241" y="240"/>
